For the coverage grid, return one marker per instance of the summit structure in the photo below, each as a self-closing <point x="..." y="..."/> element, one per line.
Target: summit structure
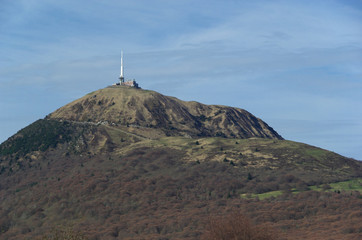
<point x="121" y="77"/>
<point x="122" y="82"/>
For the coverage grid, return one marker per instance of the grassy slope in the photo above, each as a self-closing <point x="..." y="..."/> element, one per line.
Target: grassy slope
<point x="350" y="185"/>
<point x="157" y="115"/>
<point x="307" y="162"/>
<point x="260" y="158"/>
<point x="343" y="186"/>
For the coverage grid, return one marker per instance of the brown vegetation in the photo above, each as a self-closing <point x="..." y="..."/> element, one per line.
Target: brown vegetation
<point x="63" y="234"/>
<point x="151" y="193"/>
<point x="235" y="226"/>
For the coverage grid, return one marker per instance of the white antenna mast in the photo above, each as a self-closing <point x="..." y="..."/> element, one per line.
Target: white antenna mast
<point x="121" y="77"/>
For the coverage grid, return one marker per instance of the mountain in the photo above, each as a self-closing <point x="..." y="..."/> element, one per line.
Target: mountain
<point x="125" y="163"/>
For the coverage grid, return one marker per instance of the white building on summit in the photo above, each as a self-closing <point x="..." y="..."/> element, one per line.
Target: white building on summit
<point x="122" y="82"/>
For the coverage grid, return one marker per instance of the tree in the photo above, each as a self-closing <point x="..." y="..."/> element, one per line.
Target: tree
<point x="250" y="177"/>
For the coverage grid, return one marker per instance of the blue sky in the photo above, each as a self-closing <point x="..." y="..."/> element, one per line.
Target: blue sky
<point x="295" y="64"/>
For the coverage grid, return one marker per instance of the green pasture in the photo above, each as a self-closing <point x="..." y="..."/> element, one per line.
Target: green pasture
<point x="345" y="186"/>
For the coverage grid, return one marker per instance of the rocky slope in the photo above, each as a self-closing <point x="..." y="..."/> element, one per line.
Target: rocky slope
<point x="160" y="115"/>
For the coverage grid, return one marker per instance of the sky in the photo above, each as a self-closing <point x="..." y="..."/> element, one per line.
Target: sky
<point x="295" y="64"/>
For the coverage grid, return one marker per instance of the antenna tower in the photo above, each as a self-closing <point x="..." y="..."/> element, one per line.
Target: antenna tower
<point x="121" y="77"/>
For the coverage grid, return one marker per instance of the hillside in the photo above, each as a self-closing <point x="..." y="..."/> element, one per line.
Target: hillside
<point x="154" y="115"/>
<point x="122" y="163"/>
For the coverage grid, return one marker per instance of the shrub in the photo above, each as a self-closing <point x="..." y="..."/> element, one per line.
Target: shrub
<point x="236" y="227"/>
<point x="63" y="234"/>
<point x="250" y="177"/>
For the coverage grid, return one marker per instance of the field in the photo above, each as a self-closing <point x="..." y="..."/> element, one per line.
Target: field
<point x="344" y="186"/>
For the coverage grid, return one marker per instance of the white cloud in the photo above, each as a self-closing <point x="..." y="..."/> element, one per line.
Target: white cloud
<point x="290" y="26"/>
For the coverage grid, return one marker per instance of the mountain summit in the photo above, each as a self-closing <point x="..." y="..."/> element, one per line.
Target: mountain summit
<point x="151" y="114"/>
